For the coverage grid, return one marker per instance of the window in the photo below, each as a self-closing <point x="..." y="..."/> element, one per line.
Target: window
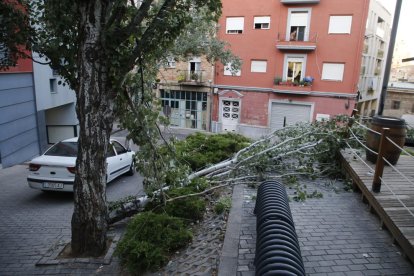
<point x="234" y="25"/>
<point x="333" y="71"/>
<point x="298" y="25"/>
<point x="118" y="148"/>
<point x="228" y="72"/>
<point x="258" y="66"/>
<point x="262" y="22"/>
<point x="340" y="24"/>
<point x="110" y="151"/>
<point x="395" y="104"/>
<point x="53" y="85"/>
<point x="4" y="55"/>
<point x="170" y="63"/>
<point x="194" y="69"/>
<point x="187" y="109"/>
<point x="294" y="69"/>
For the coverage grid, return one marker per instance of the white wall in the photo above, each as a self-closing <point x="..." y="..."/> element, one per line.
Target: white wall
<point x="44" y="98"/>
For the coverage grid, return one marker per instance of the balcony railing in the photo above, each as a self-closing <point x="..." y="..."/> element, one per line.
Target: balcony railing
<point x="363" y="70"/>
<point x="366" y="48"/>
<point x="301" y="41"/>
<point x="299" y="1"/>
<point x="191" y="76"/>
<point x="380" y="54"/>
<point x="301" y="86"/>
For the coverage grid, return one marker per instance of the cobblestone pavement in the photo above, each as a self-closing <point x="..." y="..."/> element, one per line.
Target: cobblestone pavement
<point x="337" y="235"/>
<point x="202" y="256"/>
<point x="33" y="222"/>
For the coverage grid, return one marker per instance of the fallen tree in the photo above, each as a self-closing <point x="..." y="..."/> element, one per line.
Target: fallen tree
<point x="308" y="149"/>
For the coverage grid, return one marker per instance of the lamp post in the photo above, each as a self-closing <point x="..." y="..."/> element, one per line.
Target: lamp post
<point x="389" y="57"/>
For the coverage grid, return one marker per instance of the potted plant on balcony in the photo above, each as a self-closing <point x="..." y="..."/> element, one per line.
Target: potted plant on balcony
<point x="194" y="76"/>
<point x="181" y="77"/>
<point x="308" y="80"/>
<point x="277" y="80"/>
<point x="370" y="90"/>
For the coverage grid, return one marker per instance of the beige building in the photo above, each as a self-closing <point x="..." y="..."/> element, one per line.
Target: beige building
<point x="374" y="55"/>
<point x="399" y="100"/>
<point x="185" y="89"/>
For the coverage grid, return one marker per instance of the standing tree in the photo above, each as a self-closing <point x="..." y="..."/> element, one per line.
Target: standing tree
<point x="94" y="45"/>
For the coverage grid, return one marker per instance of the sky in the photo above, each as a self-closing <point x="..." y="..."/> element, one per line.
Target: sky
<point x="405" y="23"/>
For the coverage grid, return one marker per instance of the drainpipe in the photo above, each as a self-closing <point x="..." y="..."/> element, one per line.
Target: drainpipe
<point x="389" y="56"/>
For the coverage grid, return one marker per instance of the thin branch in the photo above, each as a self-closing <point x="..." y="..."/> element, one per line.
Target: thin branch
<point x="135" y="23"/>
<point x="198" y="194"/>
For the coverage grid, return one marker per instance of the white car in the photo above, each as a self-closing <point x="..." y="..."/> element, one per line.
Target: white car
<point x="55" y="169"/>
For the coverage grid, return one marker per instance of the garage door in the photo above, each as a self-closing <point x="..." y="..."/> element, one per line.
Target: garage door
<point x="293" y="113"/>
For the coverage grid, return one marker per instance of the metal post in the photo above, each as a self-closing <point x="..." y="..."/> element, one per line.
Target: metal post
<point x="379" y="166"/>
<point x="389" y="56"/>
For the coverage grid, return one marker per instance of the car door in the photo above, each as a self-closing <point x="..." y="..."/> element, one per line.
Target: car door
<point x="112" y="164"/>
<point x="123" y="159"/>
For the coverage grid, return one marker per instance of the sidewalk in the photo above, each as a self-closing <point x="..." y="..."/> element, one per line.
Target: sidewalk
<point x="337" y="235"/>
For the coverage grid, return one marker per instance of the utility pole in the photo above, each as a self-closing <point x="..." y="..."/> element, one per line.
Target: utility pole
<point x="389" y="56"/>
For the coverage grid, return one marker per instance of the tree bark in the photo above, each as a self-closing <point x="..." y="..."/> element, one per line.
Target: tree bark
<point x="95" y="114"/>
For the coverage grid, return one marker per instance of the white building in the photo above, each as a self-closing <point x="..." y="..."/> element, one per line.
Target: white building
<point x="374" y="55"/>
<point x="55" y="105"/>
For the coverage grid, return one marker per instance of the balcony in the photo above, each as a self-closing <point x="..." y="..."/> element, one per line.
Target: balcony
<point x="380" y="54"/>
<point x="363" y="69"/>
<point x="191" y="76"/>
<point x="286" y="2"/>
<point x="365" y="49"/>
<point x="306" y="42"/>
<point x="292" y="87"/>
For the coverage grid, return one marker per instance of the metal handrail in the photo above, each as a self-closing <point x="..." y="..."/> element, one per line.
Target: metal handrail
<point x="307" y="37"/>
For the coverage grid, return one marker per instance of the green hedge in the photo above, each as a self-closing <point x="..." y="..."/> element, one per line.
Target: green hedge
<point x="200" y="150"/>
<point x="149" y="241"/>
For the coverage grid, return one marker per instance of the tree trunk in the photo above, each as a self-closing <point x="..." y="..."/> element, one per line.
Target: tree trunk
<point x="95" y="114"/>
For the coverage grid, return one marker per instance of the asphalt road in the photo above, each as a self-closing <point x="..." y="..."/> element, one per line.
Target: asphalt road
<point x="32" y="221"/>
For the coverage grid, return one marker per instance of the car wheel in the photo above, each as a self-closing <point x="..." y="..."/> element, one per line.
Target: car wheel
<point x="131" y="169"/>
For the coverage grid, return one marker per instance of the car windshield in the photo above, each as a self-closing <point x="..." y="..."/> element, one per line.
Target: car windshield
<point x="67" y="149"/>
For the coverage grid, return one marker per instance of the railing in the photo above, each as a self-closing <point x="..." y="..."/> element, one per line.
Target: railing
<point x="297" y="37"/>
<point x="191" y="76"/>
<point x="366" y="48"/>
<point x="378" y="180"/>
<point x="380" y="54"/>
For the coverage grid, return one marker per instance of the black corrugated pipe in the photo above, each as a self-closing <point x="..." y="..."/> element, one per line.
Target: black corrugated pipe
<point x="277" y="246"/>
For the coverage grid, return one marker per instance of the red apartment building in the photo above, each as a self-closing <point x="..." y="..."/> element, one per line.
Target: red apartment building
<point x="301" y="62"/>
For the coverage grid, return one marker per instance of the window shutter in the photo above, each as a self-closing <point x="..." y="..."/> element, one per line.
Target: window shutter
<point x="333" y="71"/>
<point x="340" y="24"/>
<point x="227" y="71"/>
<point x="299" y="19"/>
<point x="234" y="23"/>
<point x="262" y="19"/>
<point x="259" y="66"/>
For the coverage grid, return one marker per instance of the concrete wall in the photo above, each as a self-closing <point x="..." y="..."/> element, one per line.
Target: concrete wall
<point x="55" y="108"/>
<point x="18" y="125"/>
<point x="256" y="89"/>
<point x="46" y="99"/>
<point x="255" y="44"/>
<point x="405" y="97"/>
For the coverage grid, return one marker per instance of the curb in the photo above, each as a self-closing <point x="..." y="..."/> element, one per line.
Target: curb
<point x="230" y="252"/>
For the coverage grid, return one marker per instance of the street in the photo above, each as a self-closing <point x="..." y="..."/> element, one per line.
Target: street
<point x="32" y="221"/>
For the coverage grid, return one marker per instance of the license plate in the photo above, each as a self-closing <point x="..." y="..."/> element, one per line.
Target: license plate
<point x="48" y="185"/>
